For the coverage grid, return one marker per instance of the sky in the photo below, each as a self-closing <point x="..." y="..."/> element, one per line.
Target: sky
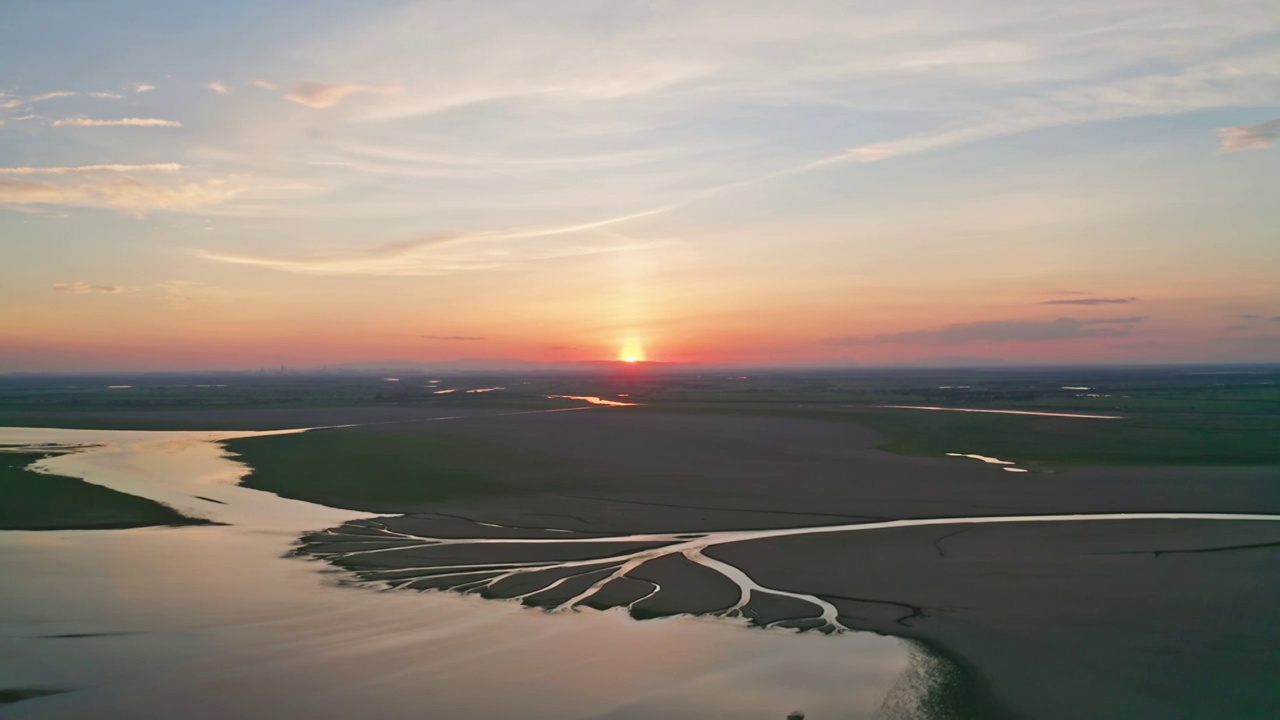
<point x="197" y="185"/>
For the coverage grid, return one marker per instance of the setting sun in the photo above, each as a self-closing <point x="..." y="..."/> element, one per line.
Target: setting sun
<point x="631" y="354"/>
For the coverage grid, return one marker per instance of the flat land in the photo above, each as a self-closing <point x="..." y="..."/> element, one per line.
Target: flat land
<point x="1124" y="618"/>
<point x="35" y="501"/>
<point x="1204" y="416"/>
<point x="1118" y="619"/>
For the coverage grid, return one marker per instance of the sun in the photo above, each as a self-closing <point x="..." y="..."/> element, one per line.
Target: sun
<point x="632" y="353"/>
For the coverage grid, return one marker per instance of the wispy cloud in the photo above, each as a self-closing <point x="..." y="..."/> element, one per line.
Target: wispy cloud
<point x="143" y="87"/>
<point x="218" y="88"/>
<point x="16" y="102"/>
<point x="1004" y="331"/>
<point x="1092" y="301"/>
<point x="106" y="95"/>
<point x="326" y="95"/>
<point x="92" y="169"/>
<point x="363" y="261"/>
<point x="123" y="193"/>
<point x="84" y="288"/>
<point x="447" y="253"/>
<point x="264" y="84"/>
<point x="131" y="121"/>
<point x="452" y="337"/>
<point x="1249" y="137"/>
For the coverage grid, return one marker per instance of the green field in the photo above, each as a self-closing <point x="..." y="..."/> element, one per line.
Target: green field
<point x="35" y="501"/>
<point x="1202" y="416"/>
<point x="389" y="471"/>
<point x="1155" y="439"/>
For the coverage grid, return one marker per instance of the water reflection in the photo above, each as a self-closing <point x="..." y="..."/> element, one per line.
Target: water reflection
<point x="213" y="622"/>
<point x="593" y="400"/>
<point x="210" y="623"/>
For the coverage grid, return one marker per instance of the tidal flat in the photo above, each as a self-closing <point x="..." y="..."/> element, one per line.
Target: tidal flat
<point x="214" y="622"/>
<point x="691" y="557"/>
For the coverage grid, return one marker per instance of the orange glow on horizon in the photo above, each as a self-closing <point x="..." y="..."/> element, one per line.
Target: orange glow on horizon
<point x="632" y="353"/>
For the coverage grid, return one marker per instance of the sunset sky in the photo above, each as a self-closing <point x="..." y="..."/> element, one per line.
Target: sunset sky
<point x="237" y="184"/>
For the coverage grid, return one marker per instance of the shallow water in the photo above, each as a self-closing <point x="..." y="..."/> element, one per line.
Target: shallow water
<point x="984" y="458"/>
<point x="213" y="622"/>
<point x="1006" y="465"/>
<point x="593" y="400"/>
<point x="1006" y="412"/>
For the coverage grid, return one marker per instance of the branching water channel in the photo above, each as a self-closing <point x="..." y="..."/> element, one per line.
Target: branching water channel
<point x="578" y="569"/>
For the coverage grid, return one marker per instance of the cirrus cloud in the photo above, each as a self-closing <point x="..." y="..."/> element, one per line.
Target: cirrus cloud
<point x="1063" y="328"/>
<point x="119" y="122"/>
<point x="120" y="193"/>
<point x="1249" y="137"/>
<point x="92" y="169"/>
<point x="83" y="288"/>
<point x="130" y="121"/>
<point x="8" y="103"/>
<point x="319" y="95"/>
<point x="1092" y="301"/>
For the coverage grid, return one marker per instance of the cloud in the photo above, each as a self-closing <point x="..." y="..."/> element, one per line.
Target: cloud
<point x="1092" y="301"/>
<point x="135" y="122"/>
<point x="120" y="193"/>
<point x="1249" y="316"/>
<point x="21" y="101"/>
<point x="264" y="84"/>
<point x="91" y="169"/>
<point x="218" y="88"/>
<point x="1249" y="137"/>
<point x="436" y="255"/>
<point x="143" y="87"/>
<point x="106" y="95"/>
<point x="326" y="95"/>
<point x="1224" y="82"/>
<point x="188" y="294"/>
<point x="363" y="261"/>
<point x="1004" y="331"/>
<point x="452" y="337"/>
<point x="1236" y="327"/>
<point x="84" y="288"/>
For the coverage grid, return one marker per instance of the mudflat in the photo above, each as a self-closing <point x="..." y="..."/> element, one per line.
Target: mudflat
<point x="38" y="501"/>
<point x="803" y="524"/>
<point x="1102" y="618"/>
